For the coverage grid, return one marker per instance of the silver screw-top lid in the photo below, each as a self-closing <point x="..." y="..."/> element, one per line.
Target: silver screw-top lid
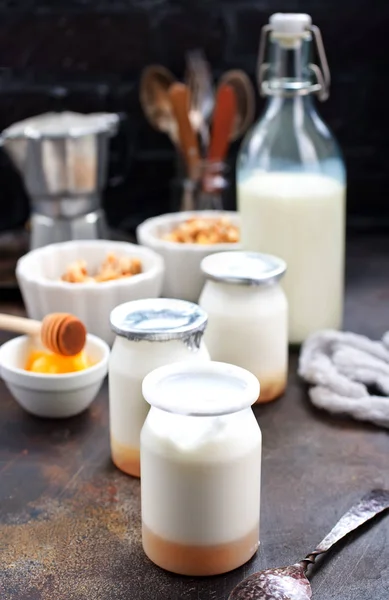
<point x="244" y="268"/>
<point x="160" y="320"/>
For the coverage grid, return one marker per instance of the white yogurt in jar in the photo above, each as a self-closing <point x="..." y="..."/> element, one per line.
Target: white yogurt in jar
<point x="150" y="333"/>
<point x="248" y="316"/>
<point x="201" y="468"/>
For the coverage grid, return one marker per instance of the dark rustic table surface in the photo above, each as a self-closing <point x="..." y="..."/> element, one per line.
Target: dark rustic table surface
<point x="70" y="522"/>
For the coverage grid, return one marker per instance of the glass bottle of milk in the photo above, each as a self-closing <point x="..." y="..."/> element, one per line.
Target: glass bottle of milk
<point x="291" y="178"/>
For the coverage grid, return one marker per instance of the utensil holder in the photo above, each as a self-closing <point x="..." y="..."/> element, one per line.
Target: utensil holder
<point x="205" y="192"/>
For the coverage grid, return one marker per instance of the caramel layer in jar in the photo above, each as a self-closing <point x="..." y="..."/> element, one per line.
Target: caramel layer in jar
<point x="125" y="458"/>
<point x="199" y="560"/>
<point x="272" y="387"/>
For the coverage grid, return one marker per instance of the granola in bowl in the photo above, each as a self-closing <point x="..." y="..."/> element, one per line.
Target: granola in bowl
<point x="113" y="267"/>
<point x="204" y="231"/>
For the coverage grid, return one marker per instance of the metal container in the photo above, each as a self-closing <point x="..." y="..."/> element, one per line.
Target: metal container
<point x="62" y="158"/>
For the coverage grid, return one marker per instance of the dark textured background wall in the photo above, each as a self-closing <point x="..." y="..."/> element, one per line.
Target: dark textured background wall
<point x="87" y="55"/>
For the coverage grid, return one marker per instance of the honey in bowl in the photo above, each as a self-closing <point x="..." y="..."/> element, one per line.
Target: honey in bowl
<point x="40" y="361"/>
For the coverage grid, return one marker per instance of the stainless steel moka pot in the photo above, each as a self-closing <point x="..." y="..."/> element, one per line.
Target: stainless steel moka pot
<point x="62" y="158"/>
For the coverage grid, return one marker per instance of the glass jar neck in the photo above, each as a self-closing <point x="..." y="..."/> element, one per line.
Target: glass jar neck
<point x="289" y="72"/>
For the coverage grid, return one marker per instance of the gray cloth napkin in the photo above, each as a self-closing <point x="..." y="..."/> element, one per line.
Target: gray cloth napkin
<point x="340" y="366"/>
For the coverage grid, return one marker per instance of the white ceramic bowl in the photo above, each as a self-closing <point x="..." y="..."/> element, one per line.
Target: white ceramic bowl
<point x="39" y="272"/>
<point x="53" y="396"/>
<point x="183" y="278"/>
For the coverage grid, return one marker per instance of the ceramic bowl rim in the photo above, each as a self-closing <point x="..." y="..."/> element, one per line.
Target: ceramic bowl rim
<point x="62" y="382"/>
<point x="146" y="231"/>
<point x="153" y="271"/>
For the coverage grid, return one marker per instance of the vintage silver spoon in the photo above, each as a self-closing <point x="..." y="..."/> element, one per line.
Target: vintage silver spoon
<point x="291" y="583"/>
<point x="202" y="100"/>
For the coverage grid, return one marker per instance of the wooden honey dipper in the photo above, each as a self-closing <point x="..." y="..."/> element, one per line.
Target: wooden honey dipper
<point x="61" y="333"/>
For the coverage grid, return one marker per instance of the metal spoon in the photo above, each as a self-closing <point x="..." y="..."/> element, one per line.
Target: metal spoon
<point x="245" y="99"/>
<point x="291" y="583"/>
<point x="154" y="98"/>
<point x="199" y="82"/>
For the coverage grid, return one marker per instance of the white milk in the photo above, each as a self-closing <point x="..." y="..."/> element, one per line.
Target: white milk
<point x="300" y="217"/>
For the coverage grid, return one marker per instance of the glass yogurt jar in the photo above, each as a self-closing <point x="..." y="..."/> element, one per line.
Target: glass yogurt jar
<point x="248" y="316"/>
<point x="149" y="333"/>
<point x="201" y="468"/>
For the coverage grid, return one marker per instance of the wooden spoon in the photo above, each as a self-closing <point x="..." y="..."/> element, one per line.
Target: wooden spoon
<point x="59" y="332"/>
<point x="154" y="98"/>
<point x="245" y="99"/>
<point x="222" y="126"/>
<point x="222" y="123"/>
<point x="180" y="102"/>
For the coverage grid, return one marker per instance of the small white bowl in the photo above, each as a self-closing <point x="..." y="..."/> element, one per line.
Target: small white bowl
<point x="183" y="277"/>
<point x="39" y="276"/>
<point x="52" y="396"/>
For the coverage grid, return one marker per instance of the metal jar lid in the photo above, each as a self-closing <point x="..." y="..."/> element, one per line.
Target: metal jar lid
<point x="244" y="268"/>
<point x="160" y="320"/>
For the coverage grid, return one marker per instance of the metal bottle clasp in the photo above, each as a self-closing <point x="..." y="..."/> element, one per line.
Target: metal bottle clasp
<point x="322" y="72"/>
